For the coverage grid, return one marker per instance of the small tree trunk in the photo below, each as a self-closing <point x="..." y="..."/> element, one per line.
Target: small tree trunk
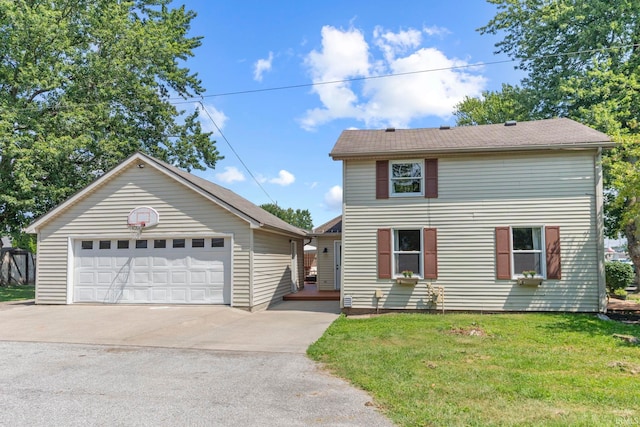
<point x="633" y="247"/>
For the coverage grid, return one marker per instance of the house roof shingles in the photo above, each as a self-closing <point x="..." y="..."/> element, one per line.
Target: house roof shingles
<point x="534" y="135"/>
<point x="333" y="226"/>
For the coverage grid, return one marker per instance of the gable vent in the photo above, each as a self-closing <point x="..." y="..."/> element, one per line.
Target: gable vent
<point x="390" y="130"/>
<point x="445" y="127"/>
<point x="510" y="123"/>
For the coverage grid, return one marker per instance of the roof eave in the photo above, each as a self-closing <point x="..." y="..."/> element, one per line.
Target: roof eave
<point x="465" y="150"/>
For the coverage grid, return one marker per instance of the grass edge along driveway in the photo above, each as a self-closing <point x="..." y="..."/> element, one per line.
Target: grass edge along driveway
<point x="497" y="369"/>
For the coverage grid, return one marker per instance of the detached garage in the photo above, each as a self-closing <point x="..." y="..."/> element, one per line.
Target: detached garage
<point x="148" y="232"/>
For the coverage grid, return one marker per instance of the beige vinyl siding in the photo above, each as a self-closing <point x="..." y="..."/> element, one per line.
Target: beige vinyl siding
<point x="326" y="263"/>
<point x="477" y="194"/>
<point x="271" y="267"/>
<point x="104" y="212"/>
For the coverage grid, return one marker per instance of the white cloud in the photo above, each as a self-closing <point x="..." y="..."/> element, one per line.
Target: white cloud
<point x="387" y="101"/>
<point x="218" y="117"/>
<point x="230" y="175"/>
<point x="261" y="66"/>
<point x="333" y="198"/>
<point x="434" y="30"/>
<point x="312" y="185"/>
<point x="284" y="178"/>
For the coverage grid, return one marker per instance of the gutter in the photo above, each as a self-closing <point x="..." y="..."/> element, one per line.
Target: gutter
<point x="466" y="150"/>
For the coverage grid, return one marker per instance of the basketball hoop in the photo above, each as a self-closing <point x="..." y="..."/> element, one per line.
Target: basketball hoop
<point x="140" y="218"/>
<point x="136" y="229"/>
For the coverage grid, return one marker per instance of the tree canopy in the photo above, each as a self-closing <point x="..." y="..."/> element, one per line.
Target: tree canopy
<point x="84" y="84"/>
<point x="582" y="59"/>
<point x="299" y="217"/>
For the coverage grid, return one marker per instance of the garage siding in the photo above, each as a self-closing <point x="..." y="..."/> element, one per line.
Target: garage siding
<point x="104" y="212"/>
<point x="272" y="267"/>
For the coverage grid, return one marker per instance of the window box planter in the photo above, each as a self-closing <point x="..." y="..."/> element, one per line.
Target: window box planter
<point x="409" y="281"/>
<point x="530" y="281"/>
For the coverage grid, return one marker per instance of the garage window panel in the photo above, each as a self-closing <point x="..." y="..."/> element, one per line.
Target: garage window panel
<point x="160" y="244"/>
<point x="217" y="242"/>
<point x="105" y="244"/>
<point x="178" y="243"/>
<point x="141" y="244"/>
<point x="197" y="243"/>
<point x="87" y="244"/>
<point x="123" y="244"/>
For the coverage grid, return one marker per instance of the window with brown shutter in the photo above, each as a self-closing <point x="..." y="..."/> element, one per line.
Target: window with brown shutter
<point x="382" y="179"/>
<point x="431" y="178"/>
<point x="430" y="253"/>
<point x="521" y="251"/>
<point x="384" y="253"/>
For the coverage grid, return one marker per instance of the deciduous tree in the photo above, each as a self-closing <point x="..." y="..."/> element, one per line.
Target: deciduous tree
<point x="84" y="84"/>
<point x="301" y="218"/>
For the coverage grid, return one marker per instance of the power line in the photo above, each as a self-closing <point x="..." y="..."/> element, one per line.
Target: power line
<point x="234" y="152"/>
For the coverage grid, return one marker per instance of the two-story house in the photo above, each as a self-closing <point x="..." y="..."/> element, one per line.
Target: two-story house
<point x="504" y="217"/>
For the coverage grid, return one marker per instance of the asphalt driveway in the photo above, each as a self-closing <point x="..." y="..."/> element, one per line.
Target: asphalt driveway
<point x="171" y="366"/>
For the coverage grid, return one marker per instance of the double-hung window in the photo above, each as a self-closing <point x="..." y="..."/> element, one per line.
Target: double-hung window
<point x="407" y="249"/>
<point x="407" y="252"/>
<point x="406" y="178"/>
<point x="528" y="250"/>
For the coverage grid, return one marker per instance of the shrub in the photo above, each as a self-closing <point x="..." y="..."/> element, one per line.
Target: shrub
<point x="619" y="275"/>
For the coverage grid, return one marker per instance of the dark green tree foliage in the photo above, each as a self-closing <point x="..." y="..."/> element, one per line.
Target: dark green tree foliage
<point x="84" y="84"/>
<point x="300" y="218"/>
<point x="510" y="103"/>
<point x="582" y="59"/>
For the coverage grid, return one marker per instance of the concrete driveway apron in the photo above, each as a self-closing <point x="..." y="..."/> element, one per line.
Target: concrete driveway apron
<point x="290" y="326"/>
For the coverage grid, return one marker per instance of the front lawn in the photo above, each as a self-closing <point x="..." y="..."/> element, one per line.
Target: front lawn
<point x="13" y="293"/>
<point x="473" y="369"/>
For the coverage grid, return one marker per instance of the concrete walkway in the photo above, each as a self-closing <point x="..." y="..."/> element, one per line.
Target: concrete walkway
<point x="289" y="327"/>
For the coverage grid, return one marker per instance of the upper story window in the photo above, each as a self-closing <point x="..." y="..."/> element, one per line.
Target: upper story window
<point x="406" y="178"/>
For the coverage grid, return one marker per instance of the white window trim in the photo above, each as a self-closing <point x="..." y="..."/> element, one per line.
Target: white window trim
<point x="395" y="275"/>
<point x="422" y="180"/>
<point x="543" y="252"/>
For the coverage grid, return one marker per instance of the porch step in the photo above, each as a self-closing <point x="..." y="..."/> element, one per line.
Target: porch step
<point x="310" y="292"/>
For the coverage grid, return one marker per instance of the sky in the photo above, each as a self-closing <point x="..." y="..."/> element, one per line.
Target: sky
<point x="276" y="141"/>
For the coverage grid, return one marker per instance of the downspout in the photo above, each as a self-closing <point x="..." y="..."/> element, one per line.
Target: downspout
<point x="599" y="211"/>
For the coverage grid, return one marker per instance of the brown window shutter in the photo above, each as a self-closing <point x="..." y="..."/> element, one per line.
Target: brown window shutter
<point x="430" y="253"/>
<point x="431" y="178"/>
<point x="503" y="253"/>
<point x="382" y="179"/>
<point x="384" y="253"/>
<point x="552" y="242"/>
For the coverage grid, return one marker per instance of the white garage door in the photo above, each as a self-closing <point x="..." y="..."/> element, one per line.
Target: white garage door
<point x="163" y="271"/>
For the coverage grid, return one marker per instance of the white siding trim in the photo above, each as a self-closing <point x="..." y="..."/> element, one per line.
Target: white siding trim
<point x="599" y="214"/>
<point x="71" y="256"/>
<point x="232" y="250"/>
<point x="251" y="265"/>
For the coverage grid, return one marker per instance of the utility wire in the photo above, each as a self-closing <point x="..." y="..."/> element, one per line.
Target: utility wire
<point x="189" y="100"/>
<point x="234" y="151"/>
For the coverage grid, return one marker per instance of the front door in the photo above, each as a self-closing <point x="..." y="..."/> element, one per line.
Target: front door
<point x="337" y="254"/>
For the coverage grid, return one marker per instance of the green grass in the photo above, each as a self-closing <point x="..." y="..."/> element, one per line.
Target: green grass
<point x="634" y="296"/>
<point x="13" y="293"/>
<point x="523" y="369"/>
